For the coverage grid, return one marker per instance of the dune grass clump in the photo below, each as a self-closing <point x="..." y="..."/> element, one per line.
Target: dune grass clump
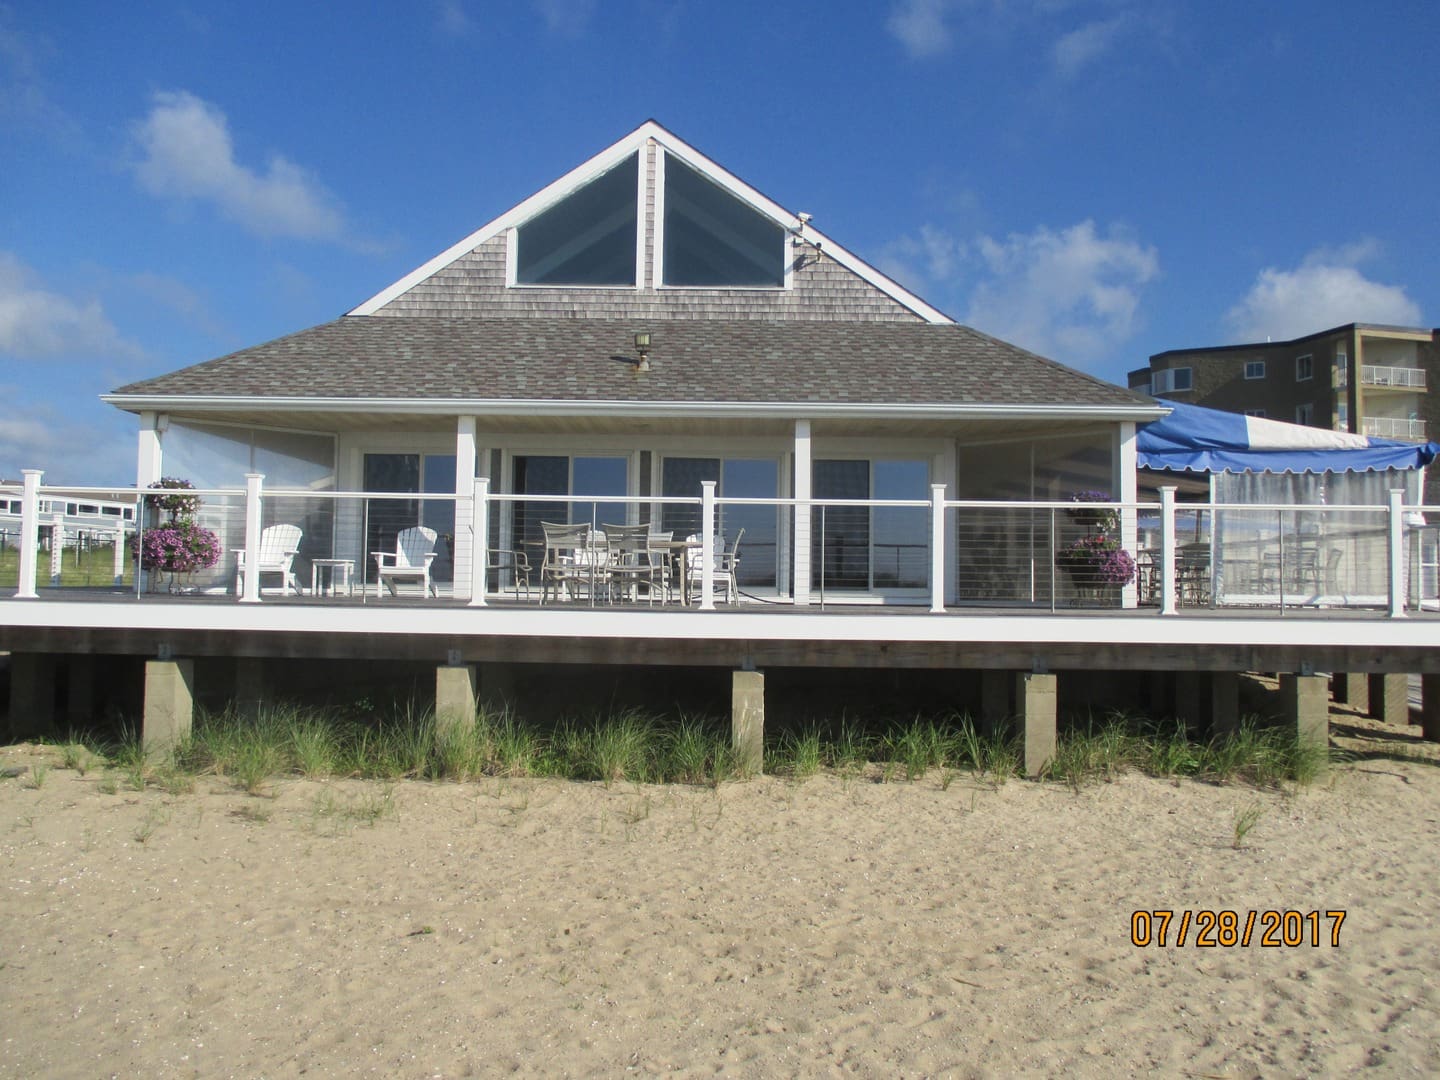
<point x="1090" y="752"/>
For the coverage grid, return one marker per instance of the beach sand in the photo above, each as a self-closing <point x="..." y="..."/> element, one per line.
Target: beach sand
<point x="770" y="927"/>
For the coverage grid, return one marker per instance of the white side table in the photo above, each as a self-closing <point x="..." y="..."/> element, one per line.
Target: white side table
<point x="338" y="572"/>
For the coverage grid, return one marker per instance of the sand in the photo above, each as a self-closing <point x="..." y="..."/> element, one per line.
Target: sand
<point x="826" y="927"/>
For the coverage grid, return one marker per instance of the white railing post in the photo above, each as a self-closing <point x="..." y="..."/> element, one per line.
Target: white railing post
<point x="1167" y="551"/>
<point x="120" y="555"/>
<point x="800" y="556"/>
<point x="479" y="540"/>
<point x="57" y="547"/>
<point x="29" y="533"/>
<point x="937" y="548"/>
<point x="1397" y="553"/>
<point x="707" y="539"/>
<point x="250" y="587"/>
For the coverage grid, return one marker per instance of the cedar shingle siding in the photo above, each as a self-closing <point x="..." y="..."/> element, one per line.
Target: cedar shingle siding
<point x="474" y="284"/>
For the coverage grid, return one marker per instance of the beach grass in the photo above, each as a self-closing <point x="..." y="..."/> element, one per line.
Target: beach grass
<point x="251" y="750"/>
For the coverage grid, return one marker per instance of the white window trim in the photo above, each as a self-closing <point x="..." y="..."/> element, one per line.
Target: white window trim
<point x="512" y="236"/>
<point x="1305" y="378"/>
<point x="658" y="262"/>
<point x="1254" y="363"/>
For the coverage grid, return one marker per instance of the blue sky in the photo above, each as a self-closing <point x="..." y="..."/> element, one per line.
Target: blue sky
<point x="1097" y="180"/>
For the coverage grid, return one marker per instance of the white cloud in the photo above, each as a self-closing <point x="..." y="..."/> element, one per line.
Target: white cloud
<point x="38" y="323"/>
<point x="568" y="18"/>
<point x="188" y="154"/>
<point x="1327" y="289"/>
<point x="1080" y="48"/>
<point x="97" y="450"/>
<point x="920" y="26"/>
<point x="1072" y="295"/>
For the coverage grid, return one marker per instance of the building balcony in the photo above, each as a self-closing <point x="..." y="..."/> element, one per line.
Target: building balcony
<point x="1385" y="427"/>
<point x="1398" y="378"/>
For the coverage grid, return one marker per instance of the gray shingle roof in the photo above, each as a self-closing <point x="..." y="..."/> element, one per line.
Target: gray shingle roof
<point x="592" y="360"/>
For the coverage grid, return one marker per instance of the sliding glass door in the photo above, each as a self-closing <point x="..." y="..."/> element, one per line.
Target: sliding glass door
<point x="420" y="474"/>
<point x="864" y="548"/>
<point x="736" y="478"/>
<point x="588" y="481"/>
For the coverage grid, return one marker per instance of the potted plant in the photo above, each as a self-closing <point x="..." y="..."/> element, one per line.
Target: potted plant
<point x="177" y="544"/>
<point x="1095" y="561"/>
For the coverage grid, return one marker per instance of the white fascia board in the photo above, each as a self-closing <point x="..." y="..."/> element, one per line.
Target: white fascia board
<point x="744" y="192"/>
<point x="613" y="155"/>
<point x="645" y="409"/>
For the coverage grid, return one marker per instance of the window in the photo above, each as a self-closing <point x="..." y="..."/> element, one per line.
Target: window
<point x="587" y="238"/>
<point x="738" y="478"/>
<point x="712" y="239"/>
<point x="1342" y="416"/>
<point x="1304" y="368"/>
<point x="418" y="474"/>
<point x="861" y="547"/>
<point x="1254" y="369"/>
<point x="1256" y="412"/>
<point x="1305" y="414"/>
<point x="587" y="481"/>
<point x="1170" y="380"/>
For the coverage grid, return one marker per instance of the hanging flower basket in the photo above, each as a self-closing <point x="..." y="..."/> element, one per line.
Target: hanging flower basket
<point x="177" y="545"/>
<point x="1104" y="518"/>
<point x="1095" y="561"/>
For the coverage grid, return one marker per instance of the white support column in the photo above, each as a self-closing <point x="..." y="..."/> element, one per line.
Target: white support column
<point x="250" y="587"/>
<point x="29" y="533"/>
<point x="937" y="548"/>
<point x="480" y="528"/>
<point x="1397" y="553"/>
<point x="467" y="542"/>
<point x="57" y="546"/>
<point x="148" y="467"/>
<point x="1125" y="483"/>
<point x="800" y="582"/>
<point x="707" y="538"/>
<point x="148" y="464"/>
<point x="1167" y="550"/>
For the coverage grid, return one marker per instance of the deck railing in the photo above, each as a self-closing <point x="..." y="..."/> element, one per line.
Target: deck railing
<point x="944" y="554"/>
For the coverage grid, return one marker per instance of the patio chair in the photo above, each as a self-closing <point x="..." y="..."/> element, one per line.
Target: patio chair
<point x="572" y="567"/>
<point x="632" y="562"/>
<point x="413" y="554"/>
<point x="727" y="561"/>
<point x="502" y="561"/>
<point x="278" y="546"/>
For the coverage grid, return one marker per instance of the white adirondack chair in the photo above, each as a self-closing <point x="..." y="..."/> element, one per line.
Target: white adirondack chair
<point x="278" y="545"/>
<point x="411" y="559"/>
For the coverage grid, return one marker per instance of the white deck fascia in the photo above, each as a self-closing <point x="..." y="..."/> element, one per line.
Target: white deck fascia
<point x="954" y="627"/>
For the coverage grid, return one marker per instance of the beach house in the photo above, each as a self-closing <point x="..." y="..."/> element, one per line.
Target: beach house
<point x="847" y="479"/>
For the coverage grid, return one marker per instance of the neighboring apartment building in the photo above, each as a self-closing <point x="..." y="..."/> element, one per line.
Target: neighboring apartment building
<point x="1372" y="380"/>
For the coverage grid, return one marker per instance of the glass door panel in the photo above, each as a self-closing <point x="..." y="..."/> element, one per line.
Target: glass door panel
<point x="752" y="479"/>
<point x="599" y="476"/>
<point x="840" y="554"/>
<point x="900" y="536"/>
<point x="385" y="518"/>
<point x="536" y="475"/>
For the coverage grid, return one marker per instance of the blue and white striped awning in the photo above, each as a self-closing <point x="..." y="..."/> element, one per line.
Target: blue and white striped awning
<point x="1196" y="439"/>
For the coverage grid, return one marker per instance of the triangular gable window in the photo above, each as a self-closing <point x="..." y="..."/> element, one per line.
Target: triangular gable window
<point x="587" y="238"/>
<point x="713" y="239"/>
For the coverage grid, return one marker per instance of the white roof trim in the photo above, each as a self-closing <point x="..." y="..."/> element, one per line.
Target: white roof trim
<point x="613" y="155"/>
<point x="651" y="409"/>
